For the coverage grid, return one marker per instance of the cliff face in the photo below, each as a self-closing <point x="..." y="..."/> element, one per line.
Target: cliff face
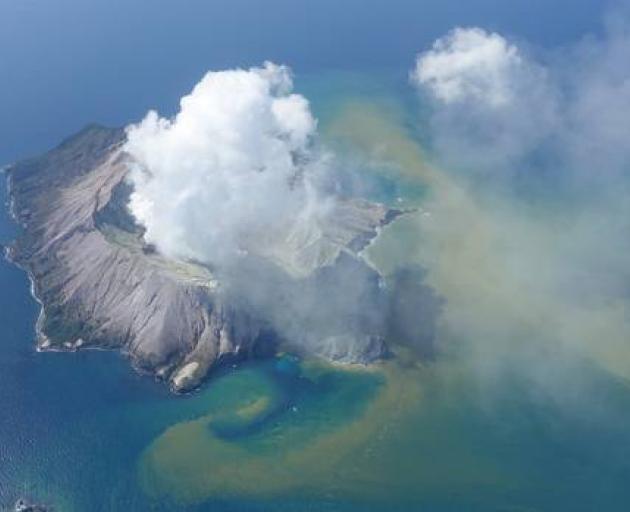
<point x="100" y="285"/>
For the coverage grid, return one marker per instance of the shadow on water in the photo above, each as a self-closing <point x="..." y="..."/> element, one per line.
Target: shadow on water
<point x="414" y="310"/>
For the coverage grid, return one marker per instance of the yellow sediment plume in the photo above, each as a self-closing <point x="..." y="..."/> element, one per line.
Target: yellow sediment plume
<point x="496" y="266"/>
<point x="362" y="460"/>
<point x="377" y="131"/>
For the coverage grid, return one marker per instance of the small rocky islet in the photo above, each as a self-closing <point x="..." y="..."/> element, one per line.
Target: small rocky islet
<point x="23" y="505"/>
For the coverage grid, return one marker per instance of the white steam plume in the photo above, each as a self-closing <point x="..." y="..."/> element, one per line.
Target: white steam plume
<point x="471" y="64"/>
<point x="494" y="104"/>
<point x="236" y="162"/>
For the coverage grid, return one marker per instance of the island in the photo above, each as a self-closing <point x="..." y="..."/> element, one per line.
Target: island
<point x="100" y="285"/>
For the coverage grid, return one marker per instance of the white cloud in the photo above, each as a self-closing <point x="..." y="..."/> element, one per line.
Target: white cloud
<point x="494" y="105"/>
<point x="237" y="180"/>
<point x="236" y="162"/>
<point x="497" y="109"/>
<point x="470" y="64"/>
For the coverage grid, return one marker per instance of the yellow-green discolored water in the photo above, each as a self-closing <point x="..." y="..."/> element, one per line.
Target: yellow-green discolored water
<point x="341" y="434"/>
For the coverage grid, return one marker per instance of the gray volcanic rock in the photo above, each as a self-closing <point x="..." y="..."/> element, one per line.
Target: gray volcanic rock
<point x="100" y="285"/>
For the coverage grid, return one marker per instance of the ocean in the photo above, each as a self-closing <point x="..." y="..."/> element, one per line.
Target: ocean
<point x="503" y="419"/>
<point x="83" y="431"/>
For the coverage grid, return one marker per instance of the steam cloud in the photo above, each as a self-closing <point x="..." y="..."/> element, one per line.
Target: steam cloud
<point x="495" y="104"/>
<point x="236" y="180"/>
<point x="237" y="160"/>
<point x="536" y="194"/>
<point x="498" y="109"/>
<point x="472" y="64"/>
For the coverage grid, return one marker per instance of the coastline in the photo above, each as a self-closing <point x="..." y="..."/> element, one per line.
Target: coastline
<point x="364" y="253"/>
<point x="42" y="341"/>
<point x="43" y="344"/>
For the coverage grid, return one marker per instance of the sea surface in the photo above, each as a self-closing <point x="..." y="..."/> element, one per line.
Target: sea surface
<point x="82" y="431"/>
<point x="505" y="418"/>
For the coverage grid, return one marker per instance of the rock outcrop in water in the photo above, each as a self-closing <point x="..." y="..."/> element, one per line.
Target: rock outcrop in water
<point x="23" y="505"/>
<point x="100" y="285"/>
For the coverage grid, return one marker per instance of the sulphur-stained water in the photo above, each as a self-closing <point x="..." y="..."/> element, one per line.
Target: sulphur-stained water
<point x="284" y="431"/>
<point x="402" y="436"/>
<point x="347" y="436"/>
<point x="523" y="406"/>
